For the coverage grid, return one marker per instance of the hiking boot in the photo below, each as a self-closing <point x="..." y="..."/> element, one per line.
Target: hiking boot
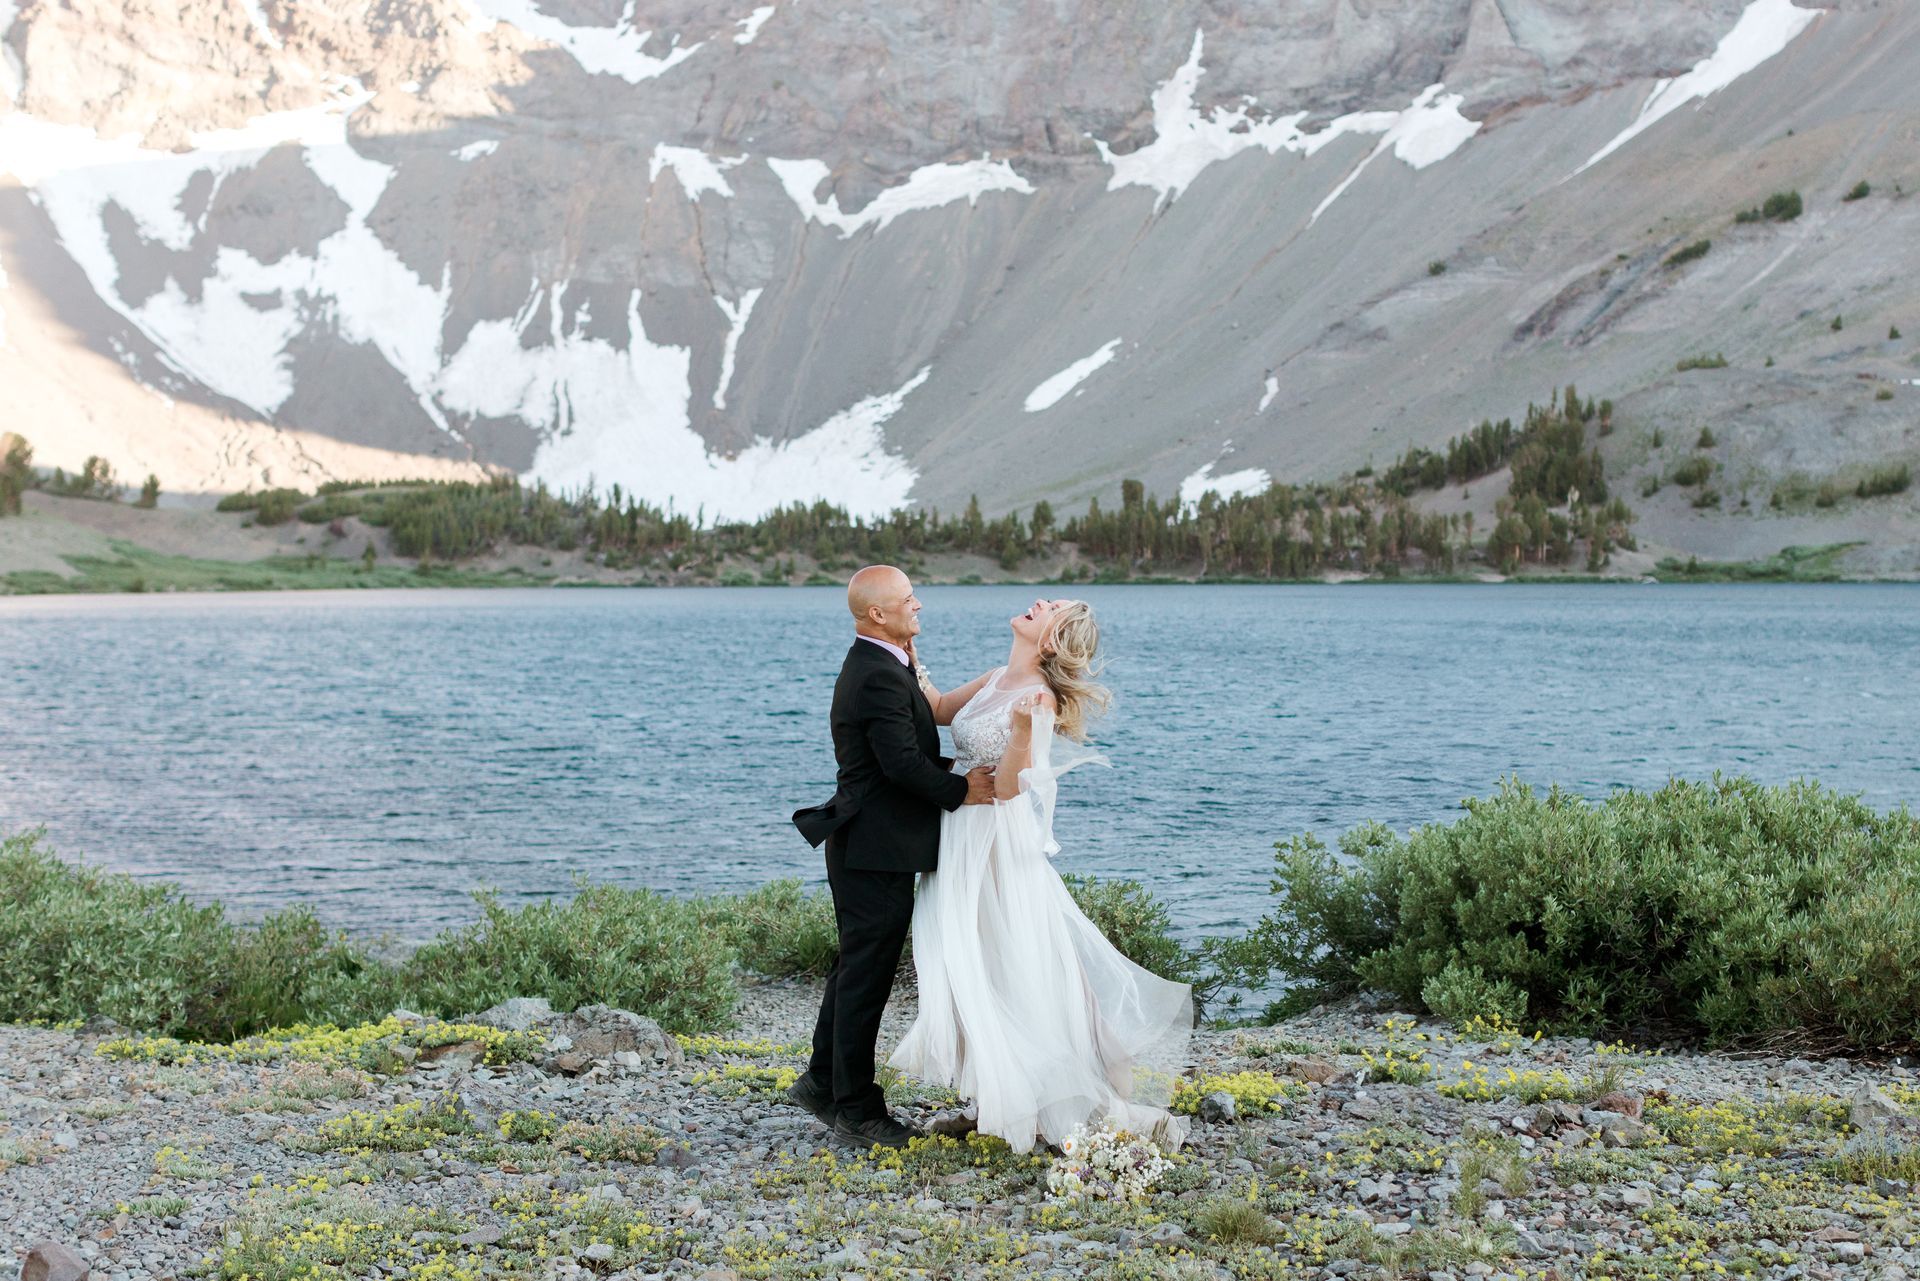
<point x="809" y="1094"/>
<point x="881" y="1130"/>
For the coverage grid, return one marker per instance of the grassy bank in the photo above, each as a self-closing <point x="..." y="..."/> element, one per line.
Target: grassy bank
<point x="1721" y="913"/>
<point x="133" y="568"/>
<point x="1789" y="565"/>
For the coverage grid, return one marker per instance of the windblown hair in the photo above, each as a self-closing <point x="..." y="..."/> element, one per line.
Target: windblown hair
<point x="1071" y="666"/>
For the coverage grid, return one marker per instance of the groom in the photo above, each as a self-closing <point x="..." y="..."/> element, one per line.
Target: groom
<point x="881" y="827"/>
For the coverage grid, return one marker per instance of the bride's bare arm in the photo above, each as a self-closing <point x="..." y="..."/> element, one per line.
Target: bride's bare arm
<point x="1019" y="753"/>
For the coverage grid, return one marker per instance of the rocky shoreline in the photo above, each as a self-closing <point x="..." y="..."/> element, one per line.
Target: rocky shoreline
<point x="1349" y="1142"/>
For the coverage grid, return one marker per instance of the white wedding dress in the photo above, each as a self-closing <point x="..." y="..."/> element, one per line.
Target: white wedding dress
<point x="1025" y="1007"/>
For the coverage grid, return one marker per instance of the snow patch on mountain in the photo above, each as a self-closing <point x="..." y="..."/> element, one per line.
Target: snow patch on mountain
<point x="1267" y="393"/>
<point x="1054" y="390"/>
<point x="927" y="187"/>
<point x="474" y="150"/>
<point x="621" y="416"/>
<point x="1429" y="130"/>
<point x="736" y="314"/>
<point x="255" y="15"/>
<point x="618" y="50"/>
<point x="232" y="330"/>
<point x="1185" y="141"/>
<point x="1233" y="484"/>
<point x="1764" y="29"/>
<point x="696" y="170"/>
<point x="751" y="24"/>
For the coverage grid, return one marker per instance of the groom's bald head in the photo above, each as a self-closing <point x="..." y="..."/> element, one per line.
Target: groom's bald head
<point x="881" y="600"/>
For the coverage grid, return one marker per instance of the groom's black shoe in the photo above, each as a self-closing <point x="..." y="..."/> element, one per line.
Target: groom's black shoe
<point x="882" y="1130"/>
<point x="811" y="1095"/>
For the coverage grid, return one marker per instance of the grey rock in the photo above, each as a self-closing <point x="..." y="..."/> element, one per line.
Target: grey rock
<point x="53" y="1261"/>
<point x="516" y="1014"/>
<point x="1218" y="1107"/>
<point x="1871" y="1105"/>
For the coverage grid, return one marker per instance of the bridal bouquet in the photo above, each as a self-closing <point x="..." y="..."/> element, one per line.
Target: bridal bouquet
<point x="1105" y="1164"/>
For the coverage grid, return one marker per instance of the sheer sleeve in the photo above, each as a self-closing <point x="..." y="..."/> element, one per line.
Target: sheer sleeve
<point x="1052" y="755"/>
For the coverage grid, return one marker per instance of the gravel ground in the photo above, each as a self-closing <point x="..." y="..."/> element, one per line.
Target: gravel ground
<point x="1660" y="1164"/>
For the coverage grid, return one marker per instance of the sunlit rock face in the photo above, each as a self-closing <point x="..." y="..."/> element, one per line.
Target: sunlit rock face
<point x="730" y="257"/>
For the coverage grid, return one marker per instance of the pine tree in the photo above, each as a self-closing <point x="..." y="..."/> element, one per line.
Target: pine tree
<point x="149" y="492"/>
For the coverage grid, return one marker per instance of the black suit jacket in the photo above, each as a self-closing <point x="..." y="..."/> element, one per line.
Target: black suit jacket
<point x="893" y="782"/>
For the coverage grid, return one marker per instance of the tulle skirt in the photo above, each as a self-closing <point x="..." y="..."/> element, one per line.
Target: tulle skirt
<point x="1025" y="1007"/>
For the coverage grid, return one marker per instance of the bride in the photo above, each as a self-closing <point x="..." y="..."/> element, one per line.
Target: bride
<point x="1025" y="1007"/>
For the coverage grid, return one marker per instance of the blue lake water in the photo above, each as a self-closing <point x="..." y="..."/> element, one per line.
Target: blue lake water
<point x="378" y="755"/>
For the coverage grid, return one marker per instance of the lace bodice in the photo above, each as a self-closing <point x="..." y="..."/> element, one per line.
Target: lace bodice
<point x="983" y="728"/>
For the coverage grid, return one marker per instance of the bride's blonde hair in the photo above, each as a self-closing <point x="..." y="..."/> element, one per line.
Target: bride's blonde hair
<point x="1068" y="660"/>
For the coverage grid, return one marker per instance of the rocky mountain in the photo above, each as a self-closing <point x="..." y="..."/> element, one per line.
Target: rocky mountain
<point x="730" y="256"/>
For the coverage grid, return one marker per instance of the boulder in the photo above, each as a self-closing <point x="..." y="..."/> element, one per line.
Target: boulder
<point x="100" y="1025"/>
<point x="1318" y="1071"/>
<point x="1218" y="1107"/>
<point x="592" y="1032"/>
<point x="52" y="1261"/>
<point x="1622" y="1102"/>
<point x="1871" y="1106"/>
<point x="516" y="1014"/>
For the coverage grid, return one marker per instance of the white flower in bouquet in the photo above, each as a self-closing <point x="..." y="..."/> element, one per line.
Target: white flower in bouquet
<point x="1102" y="1163"/>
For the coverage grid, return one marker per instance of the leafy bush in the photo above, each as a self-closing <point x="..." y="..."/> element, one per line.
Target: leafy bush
<point x="1693" y="471"/>
<point x="1892" y="479"/>
<point x="777" y="929"/>
<point x="1715" y="361"/>
<point x="1859" y="191"/>
<point x="331" y="507"/>
<point x="1725" y="910"/>
<point x="1781" y="206"/>
<point x="1436" y="268"/>
<point x="634" y="949"/>
<point x="1707" y="439"/>
<point x="1839" y="323"/>
<point x="1698" y="249"/>
<point x="269" y="506"/>
<point x="75" y="942"/>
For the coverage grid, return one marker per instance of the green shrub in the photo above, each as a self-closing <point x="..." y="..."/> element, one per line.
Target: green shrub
<point x="269" y="506"/>
<point x="1436" y="268"/>
<point x="1693" y="471"/>
<point x="1891" y="479"/>
<point x="75" y="942"/>
<point x="777" y="929"/>
<point x="634" y="949"/>
<point x="1715" y="361"/>
<point x="1781" y="206"/>
<point x="1698" y="249"/>
<point x="1859" y="191"/>
<point x="1707" y="439"/>
<point x="331" y="507"/>
<point x="1839" y="323"/>
<point x="1725" y="910"/>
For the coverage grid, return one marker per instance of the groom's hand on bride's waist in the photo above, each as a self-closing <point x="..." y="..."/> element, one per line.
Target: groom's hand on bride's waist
<point x="980" y="785"/>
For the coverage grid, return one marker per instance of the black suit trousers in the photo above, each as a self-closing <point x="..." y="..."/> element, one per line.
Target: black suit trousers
<point x="874" y="911"/>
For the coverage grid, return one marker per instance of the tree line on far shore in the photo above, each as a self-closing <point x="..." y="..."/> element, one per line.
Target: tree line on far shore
<point x="1557" y="510"/>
